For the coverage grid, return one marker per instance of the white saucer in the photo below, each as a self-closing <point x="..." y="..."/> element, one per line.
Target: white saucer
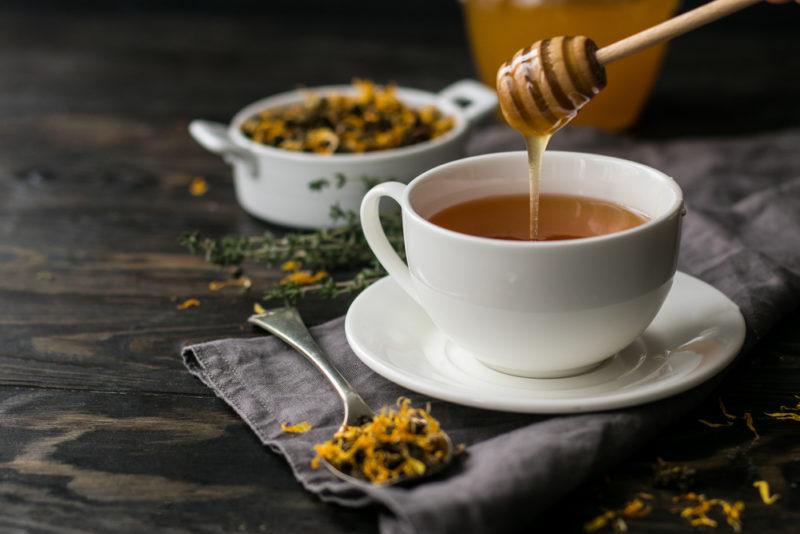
<point x="695" y="335"/>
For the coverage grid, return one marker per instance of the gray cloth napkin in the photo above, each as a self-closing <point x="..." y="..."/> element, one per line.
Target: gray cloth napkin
<point x="742" y="235"/>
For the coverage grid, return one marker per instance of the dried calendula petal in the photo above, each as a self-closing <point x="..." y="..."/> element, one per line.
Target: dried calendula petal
<point x="784" y="416"/>
<point x="290" y="265"/>
<point x="198" y="186"/>
<point x="730" y="417"/>
<point x="372" y="118"/>
<point x="748" y="420"/>
<point x="715" y="425"/>
<point x="636" y="508"/>
<point x="322" y="141"/>
<point x="703" y="521"/>
<point x="724" y="411"/>
<point x="697" y="507"/>
<point x="763" y="490"/>
<point x="401" y="443"/>
<point x="241" y="281"/>
<point x="733" y="514"/>
<point x="304" y="278"/>
<point x="188" y="303"/>
<point x="599" y="522"/>
<point x="299" y="428"/>
<point x="259" y="309"/>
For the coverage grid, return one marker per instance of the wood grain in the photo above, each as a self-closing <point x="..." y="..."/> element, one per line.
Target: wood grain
<point x="101" y="428"/>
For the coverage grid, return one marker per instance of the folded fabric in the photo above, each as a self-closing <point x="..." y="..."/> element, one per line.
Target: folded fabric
<point x="741" y="234"/>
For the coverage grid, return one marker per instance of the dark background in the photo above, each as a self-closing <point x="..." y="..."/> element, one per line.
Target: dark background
<point x="95" y="160"/>
<point x="737" y="75"/>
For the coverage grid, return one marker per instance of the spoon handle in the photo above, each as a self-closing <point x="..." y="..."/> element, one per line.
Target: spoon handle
<point x="287" y="325"/>
<point x="671" y="28"/>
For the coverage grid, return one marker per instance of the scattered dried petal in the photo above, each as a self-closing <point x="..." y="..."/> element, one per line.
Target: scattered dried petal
<point x="748" y="420"/>
<point x="241" y="281"/>
<point x="299" y="428"/>
<point x="188" y="303"/>
<point x="784" y="416"/>
<point x="290" y="265"/>
<point x="304" y="278"/>
<point x="636" y="508"/>
<point x="730" y="417"/>
<point x="715" y="425"/>
<point x="724" y="411"/>
<point x="198" y="186"/>
<point x="599" y="522"/>
<point x="763" y="489"/>
<point x="703" y="521"/>
<point x="698" y="506"/>
<point x="259" y="309"/>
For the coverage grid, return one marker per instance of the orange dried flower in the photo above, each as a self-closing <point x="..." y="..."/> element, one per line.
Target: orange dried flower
<point x="241" y="281"/>
<point x="299" y="428"/>
<point x="697" y="507"/>
<point x="371" y="119"/>
<point x="748" y="420"/>
<point x="763" y="490"/>
<point x="188" y="303"/>
<point x="290" y="265"/>
<point x="401" y="443"/>
<point x="198" y="186"/>
<point x="304" y="278"/>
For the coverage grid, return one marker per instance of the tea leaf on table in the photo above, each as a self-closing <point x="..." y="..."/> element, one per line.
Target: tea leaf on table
<point x="341" y="251"/>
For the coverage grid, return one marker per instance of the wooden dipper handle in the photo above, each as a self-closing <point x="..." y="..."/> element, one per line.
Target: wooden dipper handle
<point x="671" y="28"/>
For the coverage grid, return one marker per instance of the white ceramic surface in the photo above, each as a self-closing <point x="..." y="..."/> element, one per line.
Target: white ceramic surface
<point x="540" y="309"/>
<point x="273" y="184"/>
<point x="697" y="332"/>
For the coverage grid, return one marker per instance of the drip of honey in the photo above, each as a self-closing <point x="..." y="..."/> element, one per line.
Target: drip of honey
<point x="540" y="90"/>
<point x="536" y="145"/>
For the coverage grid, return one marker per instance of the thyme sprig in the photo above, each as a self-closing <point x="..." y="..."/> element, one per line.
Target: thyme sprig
<point x="341" y="251"/>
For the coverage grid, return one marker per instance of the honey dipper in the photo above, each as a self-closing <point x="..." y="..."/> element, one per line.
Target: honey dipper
<point x="545" y="84"/>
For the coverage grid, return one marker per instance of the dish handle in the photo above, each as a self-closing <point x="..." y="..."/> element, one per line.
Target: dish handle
<point x="475" y="100"/>
<point x="214" y="137"/>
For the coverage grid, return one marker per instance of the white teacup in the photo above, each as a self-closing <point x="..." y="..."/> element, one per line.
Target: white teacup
<point x="538" y="309"/>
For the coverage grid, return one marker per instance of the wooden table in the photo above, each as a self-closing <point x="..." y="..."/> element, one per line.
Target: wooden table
<point x="101" y="427"/>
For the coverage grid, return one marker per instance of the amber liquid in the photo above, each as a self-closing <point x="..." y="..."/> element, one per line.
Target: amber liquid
<point x="560" y="217"/>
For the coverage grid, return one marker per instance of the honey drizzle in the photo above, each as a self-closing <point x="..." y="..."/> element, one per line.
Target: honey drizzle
<point x="536" y="145"/>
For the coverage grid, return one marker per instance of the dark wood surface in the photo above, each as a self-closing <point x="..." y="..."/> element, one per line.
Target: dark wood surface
<point x="101" y="427"/>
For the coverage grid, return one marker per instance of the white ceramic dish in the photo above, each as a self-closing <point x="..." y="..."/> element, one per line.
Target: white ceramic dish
<point x="697" y="332"/>
<point x="273" y="184"/>
<point x="576" y="301"/>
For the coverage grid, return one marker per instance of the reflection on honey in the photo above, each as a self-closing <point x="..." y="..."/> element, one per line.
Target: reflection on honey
<point x="498" y="28"/>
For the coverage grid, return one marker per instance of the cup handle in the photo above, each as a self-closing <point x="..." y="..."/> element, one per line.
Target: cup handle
<point x="376" y="237"/>
<point x="475" y="99"/>
<point x="213" y="136"/>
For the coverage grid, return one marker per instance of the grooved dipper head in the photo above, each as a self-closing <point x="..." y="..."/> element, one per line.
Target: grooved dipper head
<point x="543" y="86"/>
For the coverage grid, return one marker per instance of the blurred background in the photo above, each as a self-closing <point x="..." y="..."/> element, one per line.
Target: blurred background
<point x="207" y="58"/>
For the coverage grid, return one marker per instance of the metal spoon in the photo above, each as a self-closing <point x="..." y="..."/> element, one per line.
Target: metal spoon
<point x="287" y="325"/>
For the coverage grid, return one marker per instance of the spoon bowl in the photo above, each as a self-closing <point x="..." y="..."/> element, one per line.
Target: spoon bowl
<point x="287" y="325"/>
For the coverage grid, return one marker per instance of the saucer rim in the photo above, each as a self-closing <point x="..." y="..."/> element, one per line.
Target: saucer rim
<point x="607" y="401"/>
